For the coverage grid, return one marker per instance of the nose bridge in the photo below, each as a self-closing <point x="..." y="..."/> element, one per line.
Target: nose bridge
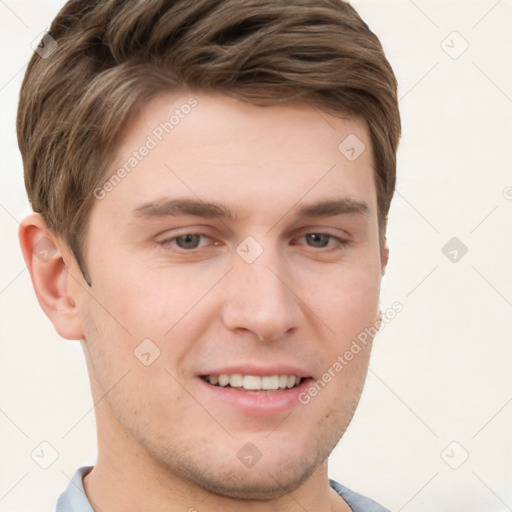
<point x="259" y="298"/>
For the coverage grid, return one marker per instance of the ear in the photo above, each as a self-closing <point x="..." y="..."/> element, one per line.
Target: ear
<point x="56" y="290"/>
<point x="384" y="256"/>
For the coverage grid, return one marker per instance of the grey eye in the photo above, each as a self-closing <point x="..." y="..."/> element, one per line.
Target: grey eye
<point x="188" y="241"/>
<point x="318" y="239"/>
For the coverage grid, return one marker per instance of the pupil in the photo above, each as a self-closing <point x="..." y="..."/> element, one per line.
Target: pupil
<point x="316" y="237"/>
<point x="190" y="241"/>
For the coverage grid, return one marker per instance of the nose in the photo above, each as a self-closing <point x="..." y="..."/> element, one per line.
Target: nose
<point x="260" y="298"/>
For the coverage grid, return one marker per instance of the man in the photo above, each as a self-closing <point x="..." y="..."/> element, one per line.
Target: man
<point x="211" y="182"/>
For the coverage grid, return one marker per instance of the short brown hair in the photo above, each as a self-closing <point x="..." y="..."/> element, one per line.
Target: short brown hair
<point x="114" y="55"/>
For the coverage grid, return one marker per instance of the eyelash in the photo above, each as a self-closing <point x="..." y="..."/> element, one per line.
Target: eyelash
<point x="169" y="241"/>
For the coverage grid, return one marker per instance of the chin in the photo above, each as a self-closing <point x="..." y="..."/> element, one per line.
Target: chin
<point x="284" y="466"/>
<point x="289" y="458"/>
<point x="259" y="484"/>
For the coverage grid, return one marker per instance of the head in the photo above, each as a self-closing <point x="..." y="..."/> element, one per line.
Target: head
<point x="267" y="133"/>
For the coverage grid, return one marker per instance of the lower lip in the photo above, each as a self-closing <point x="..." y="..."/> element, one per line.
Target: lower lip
<point x="258" y="403"/>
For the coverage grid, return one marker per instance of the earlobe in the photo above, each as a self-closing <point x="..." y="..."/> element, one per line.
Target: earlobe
<point x="384" y="257"/>
<point x="45" y="256"/>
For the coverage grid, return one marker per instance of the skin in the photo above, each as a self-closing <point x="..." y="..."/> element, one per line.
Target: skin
<point x="163" y="442"/>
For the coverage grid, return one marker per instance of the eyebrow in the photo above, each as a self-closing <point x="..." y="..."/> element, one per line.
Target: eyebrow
<point x="197" y="208"/>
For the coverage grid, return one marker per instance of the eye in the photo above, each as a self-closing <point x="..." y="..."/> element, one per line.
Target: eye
<point x="187" y="241"/>
<point x="321" y="240"/>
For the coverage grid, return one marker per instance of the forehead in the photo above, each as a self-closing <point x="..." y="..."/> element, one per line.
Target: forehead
<point x="218" y="148"/>
<point x="205" y="119"/>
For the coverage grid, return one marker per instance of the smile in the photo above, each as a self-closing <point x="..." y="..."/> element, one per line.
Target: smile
<point x="254" y="382"/>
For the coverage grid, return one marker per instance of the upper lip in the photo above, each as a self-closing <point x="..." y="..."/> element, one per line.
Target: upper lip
<point x="258" y="370"/>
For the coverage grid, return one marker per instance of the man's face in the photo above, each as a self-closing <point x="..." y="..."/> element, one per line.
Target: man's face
<point x="267" y="293"/>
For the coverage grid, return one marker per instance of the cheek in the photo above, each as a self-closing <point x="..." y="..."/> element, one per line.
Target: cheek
<point x="347" y="300"/>
<point x="138" y="304"/>
<point x="142" y="303"/>
<point x="118" y="365"/>
<point x="157" y="297"/>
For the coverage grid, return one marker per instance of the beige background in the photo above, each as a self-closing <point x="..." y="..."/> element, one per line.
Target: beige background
<point x="440" y="372"/>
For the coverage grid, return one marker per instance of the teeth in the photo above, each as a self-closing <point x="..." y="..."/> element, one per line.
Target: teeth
<point x="250" y="382"/>
<point x="223" y="380"/>
<point x="270" y="382"/>
<point x="254" y="382"/>
<point x="236" y="380"/>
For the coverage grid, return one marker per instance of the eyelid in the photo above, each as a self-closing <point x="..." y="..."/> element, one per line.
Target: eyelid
<point x="170" y="238"/>
<point x="187" y="230"/>
<point x="339" y="242"/>
<point x="334" y="232"/>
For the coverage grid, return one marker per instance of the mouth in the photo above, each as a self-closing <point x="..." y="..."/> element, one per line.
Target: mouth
<point x="254" y="382"/>
<point x="255" y="391"/>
